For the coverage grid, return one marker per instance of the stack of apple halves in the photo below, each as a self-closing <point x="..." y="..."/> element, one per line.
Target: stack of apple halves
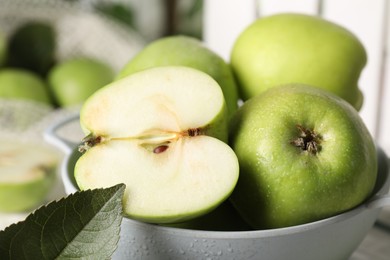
<point x="296" y="151"/>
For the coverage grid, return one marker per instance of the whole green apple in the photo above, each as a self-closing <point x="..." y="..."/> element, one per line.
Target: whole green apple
<point x="23" y="84"/>
<point x="186" y="51"/>
<point x="297" y="48"/>
<point x="304" y="155"/>
<point x="74" y="80"/>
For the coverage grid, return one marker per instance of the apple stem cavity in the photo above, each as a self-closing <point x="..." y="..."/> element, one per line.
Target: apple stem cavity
<point x="88" y="142"/>
<point x="308" y="140"/>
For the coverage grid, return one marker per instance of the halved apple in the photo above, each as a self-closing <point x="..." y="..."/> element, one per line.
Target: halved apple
<point x="27" y="174"/>
<point x="162" y="132"/>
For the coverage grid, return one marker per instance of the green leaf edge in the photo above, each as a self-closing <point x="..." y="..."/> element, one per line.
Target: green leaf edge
<point x="11" y="231"/>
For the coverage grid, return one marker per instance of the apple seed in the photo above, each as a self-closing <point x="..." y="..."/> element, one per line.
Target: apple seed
<point x="160" y="149"/>
<point x="308" y="140"/>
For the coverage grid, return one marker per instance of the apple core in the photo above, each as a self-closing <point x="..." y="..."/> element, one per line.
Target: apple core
<point x="158" y="139"/>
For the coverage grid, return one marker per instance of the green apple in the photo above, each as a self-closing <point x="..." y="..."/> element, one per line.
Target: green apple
<point x="304" y="154"/>
<point x="23" y="84"/>
<point x="27" y="174"/>
<point x="161" y="132"/>
<point x="32" y="46"/>
<point x="74" y="80"/>
<point x="297" y="48"/>
<point x="3" y="48"/>
<point x="186" y="51"/>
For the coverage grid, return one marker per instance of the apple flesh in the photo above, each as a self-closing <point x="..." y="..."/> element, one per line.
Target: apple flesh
<point x="186" y="51"/>
<point x="304" y="153"/>
<point x="160" y="132"/>
<point x="27" y="174"/>
<point x="297" y="48"/>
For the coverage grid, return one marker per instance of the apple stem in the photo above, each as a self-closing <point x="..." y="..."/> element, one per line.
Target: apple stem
<point x="308" y="140"/>
<point x="194" y="131"/>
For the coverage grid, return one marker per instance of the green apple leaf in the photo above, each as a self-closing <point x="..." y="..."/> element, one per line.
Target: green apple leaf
<point x="85" y="224"/>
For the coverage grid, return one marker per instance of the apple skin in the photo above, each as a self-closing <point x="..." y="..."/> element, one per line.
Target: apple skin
<point x="23" y="84"/>
<point x="74" y="80"/>
<point x="282" y="185"/>
<point x="26" y="196"/>
<point x="298" y="48"/>
<point x="32" y="46"/>
<point x="3" y="48"/>
<point x="186" y="51"/>
<point x="28" y="171"/>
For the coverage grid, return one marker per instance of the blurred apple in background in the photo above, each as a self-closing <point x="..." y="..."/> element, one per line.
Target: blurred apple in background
<point x="3" y="48"/>
<point x="298" y="48"/>
<point x="27" y="174"/>
<point x="23" y="84"/>
<point x="32" y="46"/>
<point x="74" y="80"/>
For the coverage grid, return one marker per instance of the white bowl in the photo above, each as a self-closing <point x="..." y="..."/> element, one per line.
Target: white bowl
<point x="332" y="238"/>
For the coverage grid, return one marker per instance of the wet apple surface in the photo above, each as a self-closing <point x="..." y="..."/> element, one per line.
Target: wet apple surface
<point x="304" y="153"/>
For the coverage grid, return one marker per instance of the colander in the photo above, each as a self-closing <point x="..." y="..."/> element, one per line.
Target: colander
<point x="332" y="238"/>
